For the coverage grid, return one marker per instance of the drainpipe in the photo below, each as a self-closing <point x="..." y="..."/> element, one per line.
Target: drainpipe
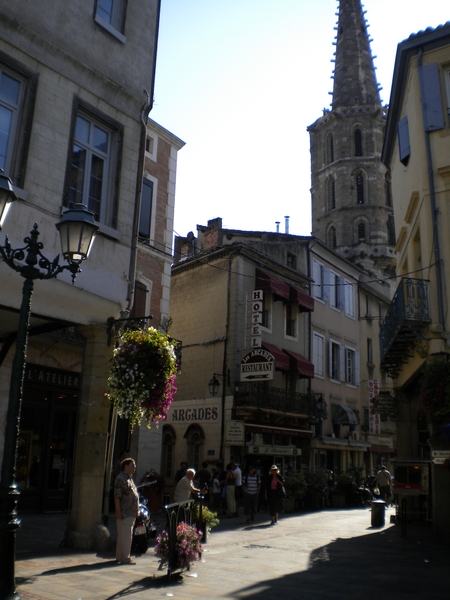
<point x="434" y="212"/>
<point x="224" y="363"/>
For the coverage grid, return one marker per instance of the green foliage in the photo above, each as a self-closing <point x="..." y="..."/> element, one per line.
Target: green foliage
<point x="295" y="485"/>
<point x="210" y="518"/>
<point x="316" y="481"/>
<point x="343" y="481"/>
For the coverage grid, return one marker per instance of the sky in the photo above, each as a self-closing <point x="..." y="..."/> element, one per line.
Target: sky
<point x="239" y="81"/>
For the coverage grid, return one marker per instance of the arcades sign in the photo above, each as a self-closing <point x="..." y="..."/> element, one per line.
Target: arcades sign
<point x="257" y="365"/>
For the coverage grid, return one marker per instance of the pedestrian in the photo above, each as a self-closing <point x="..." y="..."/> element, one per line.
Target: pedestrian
<point x="251" y="485"/>
<point x="384" y="483"/>
<point x="237" y="485"/>
<point x="185" y="487"/>
<point x="217" y="492"/>
<point x="230" y="482"/>
<point x="126" y="503"/>
<point x="204" y="481"/>
<point x="274" y="493"/>
<point x="181" y="472"/>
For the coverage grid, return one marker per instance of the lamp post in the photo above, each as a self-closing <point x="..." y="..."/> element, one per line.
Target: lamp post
<point x="77" y="230"/>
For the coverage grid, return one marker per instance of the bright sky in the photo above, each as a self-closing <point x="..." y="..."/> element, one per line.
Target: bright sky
<point x="240" y="81"/>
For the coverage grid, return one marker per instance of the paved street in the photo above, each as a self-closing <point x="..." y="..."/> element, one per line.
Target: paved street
<point x="322" y="555"/>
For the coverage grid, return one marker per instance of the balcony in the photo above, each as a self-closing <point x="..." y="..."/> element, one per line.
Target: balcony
<point x="262" y="396"/>
<point x="404" y="325"/>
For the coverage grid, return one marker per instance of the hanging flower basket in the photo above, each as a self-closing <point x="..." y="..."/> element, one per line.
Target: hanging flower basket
<point x="435" y="391"/>
<point x="142" y="376"/>
<point x="187" y="548"/>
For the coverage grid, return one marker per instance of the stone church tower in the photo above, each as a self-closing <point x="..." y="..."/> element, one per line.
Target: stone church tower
<point x="350" y="187"/>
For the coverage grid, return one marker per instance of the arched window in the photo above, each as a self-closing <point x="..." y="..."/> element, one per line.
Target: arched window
<point x="331" y="194"/>
<point x="358" y="142"/>
<point x="332" y="237"/>
<point x="359" y="181"/>
<point x="330" y="148"/>
<point x="361" y="232"/>
<point x="388" y="190"/>
<point x="168" y="443"/>
<point x="195" y="437"/>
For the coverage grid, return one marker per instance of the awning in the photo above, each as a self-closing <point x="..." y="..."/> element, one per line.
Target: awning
<point x="303" y="367"/>
<point x="269" y="283"/>
<point x="304" y="301"/>
<point x="281" y="359"/>
<point x="343" y="415"/>
<point x="278" y="430"/>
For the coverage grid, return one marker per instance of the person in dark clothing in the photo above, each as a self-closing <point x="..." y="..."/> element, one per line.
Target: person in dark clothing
<point x="181" y="472"/>
<point x="204" y="479"/>
<point x="274" y="493"/>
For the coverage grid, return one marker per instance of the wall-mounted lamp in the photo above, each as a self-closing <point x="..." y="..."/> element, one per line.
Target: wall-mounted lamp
<point x="214" y="384"/>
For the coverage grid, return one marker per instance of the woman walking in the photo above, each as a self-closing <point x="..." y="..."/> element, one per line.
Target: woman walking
<point x="274" y="493"/>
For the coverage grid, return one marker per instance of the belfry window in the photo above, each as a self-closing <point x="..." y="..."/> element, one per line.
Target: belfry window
<point x="359" y="181"/>
<point x="358" y="142"/>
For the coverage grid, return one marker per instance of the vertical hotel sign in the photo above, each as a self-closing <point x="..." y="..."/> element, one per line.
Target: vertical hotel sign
<point x="374" y="418"/>
<point x="256" y="318"/>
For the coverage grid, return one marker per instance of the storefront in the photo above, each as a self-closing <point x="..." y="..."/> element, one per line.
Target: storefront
<point x="47" y="438"/>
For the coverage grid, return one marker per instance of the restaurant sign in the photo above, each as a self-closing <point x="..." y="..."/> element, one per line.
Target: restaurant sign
<point x="257" y="365"/>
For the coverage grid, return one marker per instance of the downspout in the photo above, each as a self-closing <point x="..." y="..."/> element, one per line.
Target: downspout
<point x="434" y="213"/>
<point x="224" y="364"/>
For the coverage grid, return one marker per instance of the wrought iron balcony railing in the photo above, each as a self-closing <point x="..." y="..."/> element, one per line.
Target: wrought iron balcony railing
<point x="262" y="395"/>
<point x="403" y="326"/>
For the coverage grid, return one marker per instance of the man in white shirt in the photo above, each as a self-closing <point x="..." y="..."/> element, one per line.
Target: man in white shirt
<point x="185" y="487"/>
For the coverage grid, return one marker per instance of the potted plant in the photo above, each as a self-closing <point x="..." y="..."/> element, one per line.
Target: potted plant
<point x="295" y="486"/>
<point x="316" y="483"/>
<point x="187" y="547"/>
<point x="206" y="521"/>
<point x="142" y="376"/>
<point x="343" y="489"/>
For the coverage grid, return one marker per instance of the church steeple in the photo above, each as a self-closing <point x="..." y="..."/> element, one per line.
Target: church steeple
<point x="350" y="187"/>
<point x="354" y="75"/>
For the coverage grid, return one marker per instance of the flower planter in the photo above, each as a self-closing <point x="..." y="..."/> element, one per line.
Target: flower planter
<point x="289" y="505"/>
<point x="339" y="501"/>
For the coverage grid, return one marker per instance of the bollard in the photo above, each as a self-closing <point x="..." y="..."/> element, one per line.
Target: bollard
<point x="378" y="513"/>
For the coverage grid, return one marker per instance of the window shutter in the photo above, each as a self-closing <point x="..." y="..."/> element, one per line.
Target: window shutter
<point x="342" y="353"/>
<point x="403" y="140"/>
<point x="317" y="272"/>
<point x="326" y="285"/>
<point x="342" y="291"/>
<point x="432" y="98"/>
<point x="330" y="359"/>
<point x="140" y="300"/>
<point x="357" y="369"/>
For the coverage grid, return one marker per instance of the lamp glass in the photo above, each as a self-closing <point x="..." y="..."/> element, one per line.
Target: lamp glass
<point x="77" y="230"/>
<point x="7" y="196"/>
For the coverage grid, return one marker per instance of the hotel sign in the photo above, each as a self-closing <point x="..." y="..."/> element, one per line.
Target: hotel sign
<point x="257" y="365"/>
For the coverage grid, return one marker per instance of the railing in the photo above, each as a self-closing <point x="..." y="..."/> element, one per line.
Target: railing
<point x="409" y="306"/>
<point x="262" y="395"/>
<point x="176" y="513"/>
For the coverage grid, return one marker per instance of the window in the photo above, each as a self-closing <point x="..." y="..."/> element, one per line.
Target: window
<point x="194" y="445"/>
<point x="388" y="189"/>
<point x="351" y="366"/>
<point x="361" y="232"/>
<point x="167" y="454"/>
<point x="335" y="290"/>
<point x="151" y="146"/>
<point x="266" y="314"/>
<point x="291" y="260"/>
<point x="331" y="194"/>
<point x="145" y="218"/>
<point x="447" y="87"/>
<point x="318" y="354"/>
<point x="403" y="141"/>
<point x="336" y="361"/>
<point x="17" y="95"/>
<point x="330" y="148"/>
<point x="349" y="299"/>
<point x="318" y="280"/>
<point x="140" y="301"/>
<point x="369" y="352"/>
<point x="93" y="178"/>
<point x="291" y="319"/>
<point x="359" y="182"/>
<point x="332" y="237"/>
<point x="358" y="142"/>
<point x="110" y="14"/>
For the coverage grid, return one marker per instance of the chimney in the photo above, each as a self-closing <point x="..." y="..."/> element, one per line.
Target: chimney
<point x="213" y="236"/>
<point x="277" y="223"/>
<point x="286" y="224"/>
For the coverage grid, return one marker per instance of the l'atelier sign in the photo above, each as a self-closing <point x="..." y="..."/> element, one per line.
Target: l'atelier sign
<point x="52" y="377"/>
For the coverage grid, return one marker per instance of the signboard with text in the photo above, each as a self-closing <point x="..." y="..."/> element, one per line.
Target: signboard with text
<point x="257" y="365"/>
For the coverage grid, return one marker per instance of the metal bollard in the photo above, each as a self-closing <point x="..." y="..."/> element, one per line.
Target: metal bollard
<point x="378" y="513"/>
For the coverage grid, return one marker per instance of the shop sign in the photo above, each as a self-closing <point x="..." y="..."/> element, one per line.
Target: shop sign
<point x="234" y="433"/>
<point x="54" y="378"/>
<point x="186" y="415"/>
<point x="278" y="450"/>
<point x="374" y="424"/>
<point x="257" y="365"/>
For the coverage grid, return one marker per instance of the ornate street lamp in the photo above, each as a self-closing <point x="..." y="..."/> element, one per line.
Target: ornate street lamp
<point x="77" y="229"/>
